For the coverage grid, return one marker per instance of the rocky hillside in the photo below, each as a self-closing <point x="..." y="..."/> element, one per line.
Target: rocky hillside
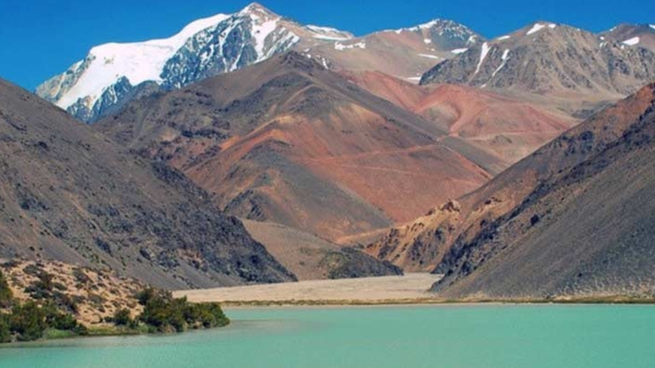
<point x="422" y="243"/>
<point x="71" y="195"/>
<point x="288" y="141"/>
<point x="405" y="53"/>
<point x="506" y="129"/>
<point x="90" y="295"/>
<point x="312" y="258"/>
<point x="554" y="60"/>
<point x="584" y="228"/>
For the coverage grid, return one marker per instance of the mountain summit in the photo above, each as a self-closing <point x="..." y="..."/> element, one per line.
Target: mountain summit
<point x="551" y="59"/>
<point x="115" y="72"/>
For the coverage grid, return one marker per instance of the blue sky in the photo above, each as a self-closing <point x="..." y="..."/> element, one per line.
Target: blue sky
<point x="40" y="38"/>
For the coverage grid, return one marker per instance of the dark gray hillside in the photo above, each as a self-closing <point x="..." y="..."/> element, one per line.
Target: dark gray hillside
<point x="69" y="194"/>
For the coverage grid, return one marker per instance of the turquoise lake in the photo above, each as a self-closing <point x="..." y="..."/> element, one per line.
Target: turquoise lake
<point x="483" y="336"/>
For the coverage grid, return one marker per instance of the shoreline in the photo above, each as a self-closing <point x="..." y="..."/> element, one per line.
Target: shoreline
<point x="409" y="289"/>
<point x="101" y="332"/>
<point x="248" y="304"/>
<point x="105" y="331"/>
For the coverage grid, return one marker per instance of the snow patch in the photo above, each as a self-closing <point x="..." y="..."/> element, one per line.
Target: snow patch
<point x="427" y="41"/>
<point x="652" y="26"/>
<point x="341" y="47"/>
<point x="330" y="38"/>
<point x="538" y="27"/>
<point x="429" y="56"/>
<point x="483" y="55"/>
<point x="504" y="58"/>
<point x="632" y="42"/>
<point x="503" y="38"/>
<point x="260" y="32"/>
<point x="328" y="33"/>
<point x="458" y="51"/>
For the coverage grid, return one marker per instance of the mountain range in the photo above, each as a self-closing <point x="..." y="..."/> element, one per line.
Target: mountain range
<point x="583" y="229"/>
<point x="113" y="73"/>
<point x="291" y="142"/>
<point x="515" y="166"/>
<point x="70" y="194"/>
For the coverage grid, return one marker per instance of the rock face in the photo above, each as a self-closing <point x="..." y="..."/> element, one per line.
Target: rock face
<point x="551" y="59"/>
<point x="288" y="141"/>
<point x="71" y="195"/>
<point x="350" y="263"/>
<point x="584" y="227"/>
<point x="312" y="258"/>
<point x="421" y="244"/>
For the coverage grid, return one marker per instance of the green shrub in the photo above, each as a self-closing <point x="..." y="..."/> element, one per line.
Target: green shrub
<point x="6" y="295"/>
<point x="5" y="328"/>
<point x="205" y="315"/>
<point x="164" y="313"/>
<point x="122" y="317"/>
<point x="145" y="295"/>
<point x="28" y="321"/>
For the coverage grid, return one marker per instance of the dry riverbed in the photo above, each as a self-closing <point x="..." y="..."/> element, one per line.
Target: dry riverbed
<point x="411" y="288"/>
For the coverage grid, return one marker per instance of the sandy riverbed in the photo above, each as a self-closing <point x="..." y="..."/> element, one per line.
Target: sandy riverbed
<point x="412" y="286"/>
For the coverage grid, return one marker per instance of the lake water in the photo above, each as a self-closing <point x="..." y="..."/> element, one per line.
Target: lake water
<point x="549" y="336"/>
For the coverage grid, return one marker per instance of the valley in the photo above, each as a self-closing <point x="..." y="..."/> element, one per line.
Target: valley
<point x="299" y="174"/>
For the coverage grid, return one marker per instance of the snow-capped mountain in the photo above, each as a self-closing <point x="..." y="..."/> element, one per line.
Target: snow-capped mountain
<point x="552" y="59"/>
<point x="405" y="53"/>
<point x="445" y="34"/>
<point x="113" y="73"/>
<point x="642" y="35"/>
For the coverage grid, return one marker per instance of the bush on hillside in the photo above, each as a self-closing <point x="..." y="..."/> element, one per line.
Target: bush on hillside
<point x="5" y="328"/>
<point x="6" y="295"/>
<point x="164" y="313"/>
<point x="28" y="321"/>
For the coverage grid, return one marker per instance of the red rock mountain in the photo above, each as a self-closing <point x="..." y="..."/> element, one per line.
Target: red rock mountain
<point x="288" y="141"/>
<point x="583" y="222"/>
<point x="421" y="244"/>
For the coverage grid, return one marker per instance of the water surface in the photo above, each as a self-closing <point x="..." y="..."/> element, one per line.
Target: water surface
<point x="487" y="336"/>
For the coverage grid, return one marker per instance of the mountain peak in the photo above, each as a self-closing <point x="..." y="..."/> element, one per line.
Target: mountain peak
<point x="299" y="61"/>
<point x="257" y="9"/>
<point x="539" y="26"/>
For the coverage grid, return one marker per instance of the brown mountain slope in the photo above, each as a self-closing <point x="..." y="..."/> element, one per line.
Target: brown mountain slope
<point x="289" y="141"/>
<point x="572" y="67"/>
<point x="405" y="53"/>
<point x="586" y="231"/>
<point x="312" y="258"/>
<point x="422" y="243"/>
<point x="506" y="128"/>
<point x="69" y="194"/>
